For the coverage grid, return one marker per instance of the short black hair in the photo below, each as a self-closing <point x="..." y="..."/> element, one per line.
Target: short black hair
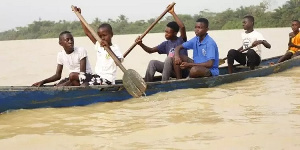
<point x="173" y="25"/>
<point x="107" y="26"/>
<point x="296" y="21"/>
<point x="203" y="20"/>
<point x="249" y="17"/>
<point x="64" y="32"/>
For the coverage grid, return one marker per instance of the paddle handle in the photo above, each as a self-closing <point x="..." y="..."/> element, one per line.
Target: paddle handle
<point x="110" y="52"/>
<point x="242" y="51"/>
<point x="149" y="28"/>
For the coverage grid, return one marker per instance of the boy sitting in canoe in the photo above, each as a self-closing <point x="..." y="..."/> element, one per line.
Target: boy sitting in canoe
<point x="205" y="61"/>
<point x="252" y="41"/>
<point x="294" y="42"/>
<point x="74" y="58"/>
<point x="167" y="68"/>
<point x="105" y="65"/>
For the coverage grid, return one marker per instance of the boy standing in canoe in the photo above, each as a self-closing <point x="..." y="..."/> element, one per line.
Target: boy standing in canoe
<point x="205" y="61"/>
<point x="251" y="40"/>
<point x="74" y="58"/>
<point x="294" y="42"/>
<point x="167" y="68"/>
<point x="105" y="65"/>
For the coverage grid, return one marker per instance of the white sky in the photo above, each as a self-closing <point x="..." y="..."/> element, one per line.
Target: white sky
<point x="16" y="13"/>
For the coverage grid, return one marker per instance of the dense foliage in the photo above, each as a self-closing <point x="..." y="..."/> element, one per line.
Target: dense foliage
<point x="229" y="19"/>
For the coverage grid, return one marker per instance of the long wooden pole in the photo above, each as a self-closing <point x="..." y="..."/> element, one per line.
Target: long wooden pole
<point x="132" y="81"/>
<point x="149" y="28"/>
<point x="110" y="52"/>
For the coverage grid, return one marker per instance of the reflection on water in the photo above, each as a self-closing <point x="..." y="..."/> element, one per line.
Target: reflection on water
<point x="257" y="113"/>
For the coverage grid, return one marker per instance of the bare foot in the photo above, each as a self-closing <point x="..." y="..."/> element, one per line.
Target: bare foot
<point x="271" y="63"/>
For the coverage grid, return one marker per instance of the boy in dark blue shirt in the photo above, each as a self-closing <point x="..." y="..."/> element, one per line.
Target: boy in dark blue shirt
<point x="167" y="68"/>
<point x="205" y="61"/>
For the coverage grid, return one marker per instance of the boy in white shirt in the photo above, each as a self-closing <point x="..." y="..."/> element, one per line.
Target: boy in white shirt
<point x="105" y="65"/>
<point x="251" y="38"/>
<point x="74" y="58"/>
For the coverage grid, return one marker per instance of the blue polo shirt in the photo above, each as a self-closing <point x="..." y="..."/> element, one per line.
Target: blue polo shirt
<point x="204" y="51"/>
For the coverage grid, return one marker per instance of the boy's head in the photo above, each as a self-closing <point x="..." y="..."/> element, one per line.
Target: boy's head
<point x="105" y="32"/>
<point x="66" y="40"/>
<point x="171" y="30"/>
<point x="201" y="27"/>
<point x="248" y="22"/>
<point x="295" y="25"/>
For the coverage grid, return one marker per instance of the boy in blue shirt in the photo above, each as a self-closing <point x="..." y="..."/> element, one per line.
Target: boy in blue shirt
<point x="205" y="61"/>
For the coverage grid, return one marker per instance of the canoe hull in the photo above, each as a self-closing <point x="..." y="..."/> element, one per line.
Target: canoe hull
<point x="18" y="97"/>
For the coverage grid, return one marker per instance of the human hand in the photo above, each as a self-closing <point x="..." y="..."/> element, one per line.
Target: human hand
<point x="184" y="65"/>
<point x="255" y="43"/>
<point x="138" y="40"/>
<point x="291" y="44"/>
<point x="104" y="43"/>
<point x="77" y="9"/>
<point x="291" y="35"/>
<point x="171" y="10"/>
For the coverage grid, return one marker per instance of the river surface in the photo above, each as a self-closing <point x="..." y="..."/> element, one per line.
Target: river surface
<point x="257" y="113"/>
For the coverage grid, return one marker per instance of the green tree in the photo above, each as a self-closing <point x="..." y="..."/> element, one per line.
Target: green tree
<point x="228" y="19"/>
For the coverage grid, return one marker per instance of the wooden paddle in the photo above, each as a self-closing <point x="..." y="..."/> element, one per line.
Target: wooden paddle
<point x="149" y="28"/>
<point x="132" y="81"/>
<point x="222" y="61"/>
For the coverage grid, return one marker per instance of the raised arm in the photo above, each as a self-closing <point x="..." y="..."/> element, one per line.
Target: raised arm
<point x="144" y="47"/>
<point x="53" y="78"/>
<point x="85" y="29"/>
<point x="180" y="24"/>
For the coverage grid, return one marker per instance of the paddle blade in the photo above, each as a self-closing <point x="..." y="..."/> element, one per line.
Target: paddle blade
<point x="134" y="83"/>
<point x="221" y="62"/>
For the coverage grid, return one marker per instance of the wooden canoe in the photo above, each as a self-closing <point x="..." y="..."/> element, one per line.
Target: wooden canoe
<point x="26" y="97"/>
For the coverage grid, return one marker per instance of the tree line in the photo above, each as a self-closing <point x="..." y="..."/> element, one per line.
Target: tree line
<point x="228" y="19"/>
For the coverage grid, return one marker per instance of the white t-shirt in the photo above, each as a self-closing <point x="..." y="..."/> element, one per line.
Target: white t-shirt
<point x="249" y="38"/>
<point x="72" y="61"/>
<point x="105" y="66"/>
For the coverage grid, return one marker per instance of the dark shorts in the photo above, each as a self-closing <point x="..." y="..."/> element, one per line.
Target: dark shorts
<point x="92" y="79"/>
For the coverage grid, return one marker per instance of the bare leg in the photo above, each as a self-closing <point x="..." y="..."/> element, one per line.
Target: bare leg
<point x="199" y="71"/>
<point x="63" y="82"/>
<point x="74" y="79"/>
<point x="230" y="68"/>
<point x="285" y="57"/>
<point x="235" y="55"/>
<point x="178" y="71"/>
<point x="296" y="54"/>
<point x="67" y="83"/>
